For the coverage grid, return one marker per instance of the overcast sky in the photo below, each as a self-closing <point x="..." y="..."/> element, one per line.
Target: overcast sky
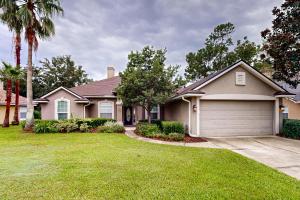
<point x="98" y="33"/>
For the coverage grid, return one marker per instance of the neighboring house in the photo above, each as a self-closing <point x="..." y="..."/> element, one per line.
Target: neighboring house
<point x="291" y="109"/>
<point x="22" y="108"/>
<point x="237" y="100"/>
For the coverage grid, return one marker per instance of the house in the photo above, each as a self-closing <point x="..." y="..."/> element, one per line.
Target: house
<point x="22" y="107"/>
<point x="237" y="100"/>
<point x="292" y="104"/>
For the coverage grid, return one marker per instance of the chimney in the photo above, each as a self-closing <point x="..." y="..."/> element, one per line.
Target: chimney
<point x="110" y="71"/>
<point x="1" y="85"/>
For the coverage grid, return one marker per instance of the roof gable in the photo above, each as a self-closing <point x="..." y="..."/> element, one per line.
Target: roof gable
<point x="62" y="88"/>
<point x="247" y="67"/>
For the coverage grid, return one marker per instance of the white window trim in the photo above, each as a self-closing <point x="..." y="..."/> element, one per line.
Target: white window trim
<point x="56" y="104"/>
<point x="20" y="109"/>
<point x="113" y="108"/>
<point x="158" y="113"/>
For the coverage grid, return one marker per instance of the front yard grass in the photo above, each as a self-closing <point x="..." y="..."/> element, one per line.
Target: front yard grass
<point x="113" y="166"/>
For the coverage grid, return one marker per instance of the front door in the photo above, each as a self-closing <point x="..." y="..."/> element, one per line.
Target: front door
<point x="127" y="116"/>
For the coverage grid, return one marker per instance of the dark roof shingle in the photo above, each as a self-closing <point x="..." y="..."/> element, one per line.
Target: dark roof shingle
<point x="105" y="87"/>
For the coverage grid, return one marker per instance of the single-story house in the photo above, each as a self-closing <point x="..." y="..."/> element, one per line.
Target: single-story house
<point x="237" y="100"/>
<point x="22" y="107"/>
<point x="291" y="104"/>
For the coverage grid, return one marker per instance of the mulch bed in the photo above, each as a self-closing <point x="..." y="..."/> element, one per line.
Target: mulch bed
<point x="189" y="139"/>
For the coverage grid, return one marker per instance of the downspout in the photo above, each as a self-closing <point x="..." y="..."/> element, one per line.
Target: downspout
<point x="189" y="102"/>
<point x="84" y="109"/>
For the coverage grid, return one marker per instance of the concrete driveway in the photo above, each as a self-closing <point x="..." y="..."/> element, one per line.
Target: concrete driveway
<point x="280" y="153"/>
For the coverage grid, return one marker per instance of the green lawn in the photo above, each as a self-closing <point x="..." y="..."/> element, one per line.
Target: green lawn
<point x="112" y="166"/>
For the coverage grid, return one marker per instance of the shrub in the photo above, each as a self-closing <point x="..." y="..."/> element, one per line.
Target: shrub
<point x="146" y="129"/>
<point x="84" y="127"/>
<point x="37" y="114"/>
<point x="45" y="126"/>
<point x="23" y="123"/>
<point x="111" y="127"/>
<point x="153" y="121"/>
<point x="172" y="127"/>
<point x="100" y="122"/>
<point x="291" y="128"/>
<point x="66" y="126"/>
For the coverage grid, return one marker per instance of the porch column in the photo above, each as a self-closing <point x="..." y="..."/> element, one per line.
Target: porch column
<point x="119" y="111"/>
<point x="198" y="116"/>
<point x="276" y="116"/>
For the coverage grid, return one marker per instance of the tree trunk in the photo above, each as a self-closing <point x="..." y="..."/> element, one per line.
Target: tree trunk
<point x="29" y="115"/>
<point x="8" y="101"/>
<point x="149" y="115"/>
<point x="17" y="83"/>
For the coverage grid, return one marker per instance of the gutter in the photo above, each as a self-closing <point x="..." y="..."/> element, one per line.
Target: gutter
<point x="84" y="109"/>
<point x="189" y="102"/>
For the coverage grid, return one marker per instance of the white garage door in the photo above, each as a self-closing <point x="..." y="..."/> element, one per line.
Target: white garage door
<point x="234" y="118"/>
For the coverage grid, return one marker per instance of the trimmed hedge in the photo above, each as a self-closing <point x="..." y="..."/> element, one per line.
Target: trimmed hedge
<point x="291" y="128"/>
<point x="172" y="127"/>
<point x="154" y="121"/>
<point x="146" y="129"/>
<point x="111" y="127"/>
<point x="67" y="126"/>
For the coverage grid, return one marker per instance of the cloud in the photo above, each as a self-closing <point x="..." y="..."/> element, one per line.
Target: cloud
<point x="102" y="32"/>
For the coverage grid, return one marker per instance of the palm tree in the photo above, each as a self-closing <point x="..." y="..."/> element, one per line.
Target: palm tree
<point x="9" y="74"/>
<point x="11" y="18"/>
<point x="36" y="19"/>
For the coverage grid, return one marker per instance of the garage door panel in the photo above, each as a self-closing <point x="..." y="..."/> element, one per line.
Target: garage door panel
<point x="229" y="118"/>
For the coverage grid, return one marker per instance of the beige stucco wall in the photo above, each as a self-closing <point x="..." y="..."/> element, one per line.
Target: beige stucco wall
<point x="226" y="85"/>
<point x="11" y="113"/>
<point x="48" y="109"/>
<point x="2" y="114"/>
<point x="294" y="108"/>
<point x="177" y="111"/>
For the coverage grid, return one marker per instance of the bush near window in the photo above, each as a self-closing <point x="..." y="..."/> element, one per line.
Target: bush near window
<point x="45" y="126"/>
<point x="111" y="127"/>
<point x="170" y="130"/>
<point x="172" y="127"/>
<point x="67" y="126"/>
<point x="146" y="129"/>
<point x="93" y="122"/>
<point x="154" y="121"/>
<point x="291" y="128"/>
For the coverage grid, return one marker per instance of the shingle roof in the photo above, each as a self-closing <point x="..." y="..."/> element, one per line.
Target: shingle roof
<point x="292" y="90"/>
<point x="105" y="87"/>
<point x="13" y="99"/>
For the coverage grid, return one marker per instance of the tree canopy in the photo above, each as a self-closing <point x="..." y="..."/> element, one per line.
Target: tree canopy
<point x="59" y="71"/>
<point x="147" y="81"/>
<point x="282" y="42"/>
<point x="219" y="51"/>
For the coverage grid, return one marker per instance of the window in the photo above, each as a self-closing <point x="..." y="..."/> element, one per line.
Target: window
<point x="62" y="107"/>
<point x="154" y="112"/>
<point x="23" y="111"/>
<point x="285" y="113"/>
<point x="106" y="110"/>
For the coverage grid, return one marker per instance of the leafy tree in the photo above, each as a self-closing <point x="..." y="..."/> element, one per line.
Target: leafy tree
<point x="147" y="81"/>
<point x="282" y="43"/>
<point x="217" y="53"/>
<point x="59" y="71"/>
<point x="10" y="17"/>
<point x="9" y="74"/>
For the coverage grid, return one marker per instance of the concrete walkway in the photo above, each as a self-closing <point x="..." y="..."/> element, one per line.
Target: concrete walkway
<point x="279" y="153"/>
